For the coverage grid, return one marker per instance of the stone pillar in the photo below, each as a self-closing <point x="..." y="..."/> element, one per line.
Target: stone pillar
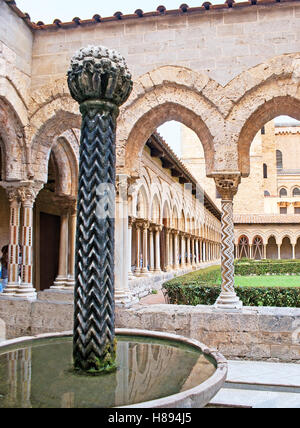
<point x="62" y="278"/>
<point x="13" y="247"/>
<point x="182" y="235"/>
<point x="197" y="252"/>
<point x="72" y="243"/>
<point x="151" y="248"/>
<point x="123" y="296"/>
<point x="279" y="251"/>
<point x="28" y="195"/>
<point x="158" y="230"/>
<point x="176" y="250"/>
<point x="227" y="186"/>
<point x="294" y="251"/>
<point x="145" y="227"/>
<point x="189" y="251"/>
<point x="265" y="252"/>
<point x="193" y="252"/>
<point x="129" y="247"/>
<point x="167" y="251"/>
<point x="100" y="82"/>
<point x="137" y="271"/>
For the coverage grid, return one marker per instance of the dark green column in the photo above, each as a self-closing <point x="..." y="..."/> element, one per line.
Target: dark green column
<point x="100" y="82"/>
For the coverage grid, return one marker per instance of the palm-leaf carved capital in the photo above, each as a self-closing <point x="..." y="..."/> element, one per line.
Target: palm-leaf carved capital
<point x="98" y="73"/>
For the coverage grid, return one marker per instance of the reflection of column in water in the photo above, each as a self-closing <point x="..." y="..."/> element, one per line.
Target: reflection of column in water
<point x="148" y="363"/>
<point x="25" y="380"/>
<point x="121" y="396"/>
<point x="12" y="380"/>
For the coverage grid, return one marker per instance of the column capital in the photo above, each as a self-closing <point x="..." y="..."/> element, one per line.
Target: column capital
<point x="28" y="192"/>
<point x="227" y="184"/>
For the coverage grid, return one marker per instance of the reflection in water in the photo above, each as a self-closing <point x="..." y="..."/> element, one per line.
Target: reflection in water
<point x="40" y="375"/>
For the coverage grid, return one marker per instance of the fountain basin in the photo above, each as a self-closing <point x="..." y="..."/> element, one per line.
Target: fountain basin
<point x="155" y="370"/>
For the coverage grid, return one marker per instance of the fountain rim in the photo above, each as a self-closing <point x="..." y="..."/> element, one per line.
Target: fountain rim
<point x="203" y="392"/>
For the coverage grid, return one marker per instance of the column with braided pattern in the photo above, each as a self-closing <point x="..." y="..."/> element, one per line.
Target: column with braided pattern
<point x="100" y="82"/>
<point x="227" y="186"/>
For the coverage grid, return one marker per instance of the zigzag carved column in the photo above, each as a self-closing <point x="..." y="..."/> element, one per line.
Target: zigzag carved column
<point x="100" y="82"/>
<point x="227" y="186"/>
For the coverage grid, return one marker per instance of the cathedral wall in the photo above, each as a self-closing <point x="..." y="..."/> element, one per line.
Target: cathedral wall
<point x="215" y="42"/>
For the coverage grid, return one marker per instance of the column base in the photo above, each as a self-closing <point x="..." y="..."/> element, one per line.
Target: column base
<point x="125" y="299"/>
<point x="60" y="283"/>
<point x="26" y="291"/>
<point x="10" y="290"/>
<point x="228" y="301"/>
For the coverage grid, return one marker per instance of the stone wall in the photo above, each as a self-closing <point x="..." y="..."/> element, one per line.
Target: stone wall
<point x="255" y="333"/>
<point x="216" y="42"/>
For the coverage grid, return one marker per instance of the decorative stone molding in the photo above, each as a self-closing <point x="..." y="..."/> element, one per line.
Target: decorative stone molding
<point x="227" y="185"/>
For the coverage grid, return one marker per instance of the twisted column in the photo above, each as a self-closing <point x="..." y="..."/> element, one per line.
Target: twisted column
<point x="100" y="82"/>
<point x="227" y="186"/>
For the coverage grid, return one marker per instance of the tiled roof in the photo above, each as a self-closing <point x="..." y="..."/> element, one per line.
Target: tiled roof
<point x="266" y="219"/>
<point x="139" y="14"/>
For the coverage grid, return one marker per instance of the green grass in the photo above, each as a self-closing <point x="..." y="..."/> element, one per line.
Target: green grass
<point x="282" y="281"/>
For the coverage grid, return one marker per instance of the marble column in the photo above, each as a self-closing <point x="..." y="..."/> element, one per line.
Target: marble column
<point x="72" y="243"/>
<point x="158" y="230"/>
<point x="182" y="235"/>
<point x="13" y="247"/>
<point x="151" y="250"/>
<point x="145" y="227"/>
<point x="28" y="195"/>
<point x="193" y="252"/>
<point x="167" y="251"/>
<point x="176" y="250"/>
<point x="62" y="278"/>
<point x="129" y="247"/>
<point x="227" y="186"/>
<point x="137" y="271"/>
<point x="189" y="251"/>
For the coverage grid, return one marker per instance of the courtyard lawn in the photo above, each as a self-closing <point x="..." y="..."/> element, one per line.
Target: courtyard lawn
<point x="282" y="281"/>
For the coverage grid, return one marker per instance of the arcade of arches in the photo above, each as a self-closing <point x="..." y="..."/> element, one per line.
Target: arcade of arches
<point x="168" y="216"/>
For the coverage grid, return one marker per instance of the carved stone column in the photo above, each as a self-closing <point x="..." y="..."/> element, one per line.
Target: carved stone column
<point x="145" y="227"/>
<point x="193" y="251"/>
<point x="167" y="251"/>
<point x="100" y="82"/>
<point x="183" y="263"/>
<point x="28" y="195"/>
<point x="72" y="244"/>
<point x="62" y="279"/>
<point x="129" y="247"/>
<point x="151" y="248"/>
<point x="13" y="248"/>
<point x="137" y="271"/>
<point x="176" y="250"/>
<point x="189" y="262"/>
<point x="158" y="230"/>
<point x="227" y="186"/>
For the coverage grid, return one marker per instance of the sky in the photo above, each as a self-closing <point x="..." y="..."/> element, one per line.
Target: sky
<point x="66" y="10"/>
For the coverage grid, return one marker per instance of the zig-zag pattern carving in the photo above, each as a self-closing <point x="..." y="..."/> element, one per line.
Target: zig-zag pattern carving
<point x="94" y="289"/>
<point x="227" y="247"/>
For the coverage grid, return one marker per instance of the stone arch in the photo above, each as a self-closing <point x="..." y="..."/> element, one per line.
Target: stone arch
<point x="12" y="144"/>
<point x="142" y="202"/>
<point x="243" y="247"/>
<point x="286" y="250"/>
<point x="260" y="94"/>
<point x="168" y="93"/>
<point x="166" y="214"/>
<point x="156" y="209"/>
<point x="272" y="249"/>
<point x="67" y="166"/>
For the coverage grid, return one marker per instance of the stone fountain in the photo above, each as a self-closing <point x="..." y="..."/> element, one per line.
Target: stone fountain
<point x="96" y="366"/>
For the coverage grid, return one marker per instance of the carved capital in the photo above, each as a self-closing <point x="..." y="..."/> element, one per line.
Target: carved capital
<point x="13" y="194"/>
<point x="227" y="185"/>
<point x="98" y="73"/>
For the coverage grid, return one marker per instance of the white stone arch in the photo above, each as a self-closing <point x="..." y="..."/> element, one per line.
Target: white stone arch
<point x="156" y="211"/>
<point x="259" y="99"/>
<point x="15" y="156"/>
<point x="167" y="93"/>
<point x="141" y="201"/>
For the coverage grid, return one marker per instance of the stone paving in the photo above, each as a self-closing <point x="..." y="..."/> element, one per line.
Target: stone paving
<point x="253" y="384"/>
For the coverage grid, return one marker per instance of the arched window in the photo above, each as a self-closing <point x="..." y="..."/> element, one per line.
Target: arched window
<point x="267" y="193"/>
<point x="265" y="171"/>
<point x="279" y="161"/>
<point x="283" y="193"/>
<point x="296" y="192"/>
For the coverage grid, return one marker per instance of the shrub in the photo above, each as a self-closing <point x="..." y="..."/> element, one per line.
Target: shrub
<point x="204" y="287"/>
<point x="267" y="267"/>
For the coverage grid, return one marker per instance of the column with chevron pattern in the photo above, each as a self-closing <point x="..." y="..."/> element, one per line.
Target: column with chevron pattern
<point x="227" y="186"/>
<point x="100" y="82"/>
